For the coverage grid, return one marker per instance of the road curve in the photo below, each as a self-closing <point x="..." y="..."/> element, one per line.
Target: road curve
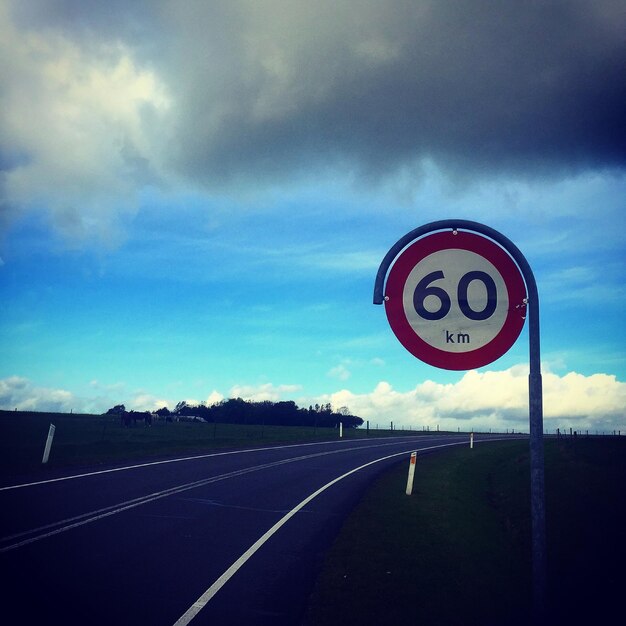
<point x="221" y="538"/>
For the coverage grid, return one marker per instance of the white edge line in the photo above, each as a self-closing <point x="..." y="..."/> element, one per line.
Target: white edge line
<point x="206" y="597"/>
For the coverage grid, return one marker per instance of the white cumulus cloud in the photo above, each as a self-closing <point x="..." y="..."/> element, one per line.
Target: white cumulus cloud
<point x="264" y="391"/>
<point x="496" y="400"/>
<point x="493" y="399"/>
<point x="19" y="393"/>
<point x="214" y="398"/>
<point x="340" y="372"/>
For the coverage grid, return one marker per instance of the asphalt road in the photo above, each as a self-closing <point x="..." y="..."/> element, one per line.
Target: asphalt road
<point x="222" y="538"/>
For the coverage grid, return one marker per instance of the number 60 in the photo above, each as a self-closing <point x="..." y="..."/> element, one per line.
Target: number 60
<point x="425" y="289"/>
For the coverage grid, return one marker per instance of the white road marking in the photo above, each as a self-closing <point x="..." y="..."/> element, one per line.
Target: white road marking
<point x="193" y="458"/>
<point x="206" y="597"/>
<point x="61" y="526"/>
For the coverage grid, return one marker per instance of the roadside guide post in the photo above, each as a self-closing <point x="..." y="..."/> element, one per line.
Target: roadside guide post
<point x="456" y="295"/>
<point x="48" y="446"/>
<point x="409" y="482"/>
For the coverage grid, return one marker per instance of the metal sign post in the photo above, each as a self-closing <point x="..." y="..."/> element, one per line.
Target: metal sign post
<point x="455" y="302"/>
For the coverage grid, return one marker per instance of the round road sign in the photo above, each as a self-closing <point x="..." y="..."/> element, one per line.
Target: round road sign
<point x="455" y="300"/>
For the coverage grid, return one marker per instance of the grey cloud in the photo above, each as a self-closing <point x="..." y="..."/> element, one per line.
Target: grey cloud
<point x="482" y="87"/>
<point x="274" y="89"/>
<point x="84" y="19"/>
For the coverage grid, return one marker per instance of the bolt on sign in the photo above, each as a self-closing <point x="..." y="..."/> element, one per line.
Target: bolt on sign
<point x="455" y="300"/>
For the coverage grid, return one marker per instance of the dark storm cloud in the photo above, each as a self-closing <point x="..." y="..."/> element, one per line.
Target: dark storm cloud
<point x="481" y="87"/>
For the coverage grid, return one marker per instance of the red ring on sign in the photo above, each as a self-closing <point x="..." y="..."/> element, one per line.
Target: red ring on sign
<point x="482" y="246"/>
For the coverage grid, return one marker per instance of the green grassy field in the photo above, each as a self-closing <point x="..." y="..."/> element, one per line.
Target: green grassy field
<point x="458" y="550"/>
<point x="88" y="439"/>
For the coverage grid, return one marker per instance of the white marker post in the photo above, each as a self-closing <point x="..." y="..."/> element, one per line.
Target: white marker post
<point x="340" y="430"/>
<point x="472" y="440"/>
<point x="409" y="482"/>
<point x="46" y="452"/>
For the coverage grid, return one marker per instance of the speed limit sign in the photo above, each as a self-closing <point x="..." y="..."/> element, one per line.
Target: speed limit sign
<point x="455" y="300"/>
<point x="456" y="294"/>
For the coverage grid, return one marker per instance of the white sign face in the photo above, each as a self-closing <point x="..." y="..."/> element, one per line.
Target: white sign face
<point x="455" y="300"/>
<point x="481" y="291"/>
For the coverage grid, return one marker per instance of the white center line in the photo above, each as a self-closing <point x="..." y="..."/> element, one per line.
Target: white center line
<point x="36" y="534"/>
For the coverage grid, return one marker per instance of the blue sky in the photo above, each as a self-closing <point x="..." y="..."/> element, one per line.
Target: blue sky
<point x="195" y="199"/>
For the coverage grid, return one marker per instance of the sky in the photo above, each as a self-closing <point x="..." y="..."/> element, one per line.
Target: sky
<point x="195" y="198"/>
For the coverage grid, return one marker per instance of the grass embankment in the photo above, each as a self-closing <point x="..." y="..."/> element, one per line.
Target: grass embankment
<point x="94" y="439"/>
<point x="458" y="550"/>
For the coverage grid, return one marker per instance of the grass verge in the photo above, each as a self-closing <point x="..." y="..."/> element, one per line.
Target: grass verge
<point x="458" y="550"/>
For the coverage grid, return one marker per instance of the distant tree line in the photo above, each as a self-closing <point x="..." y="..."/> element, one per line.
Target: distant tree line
<point x="239" y="411"/>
